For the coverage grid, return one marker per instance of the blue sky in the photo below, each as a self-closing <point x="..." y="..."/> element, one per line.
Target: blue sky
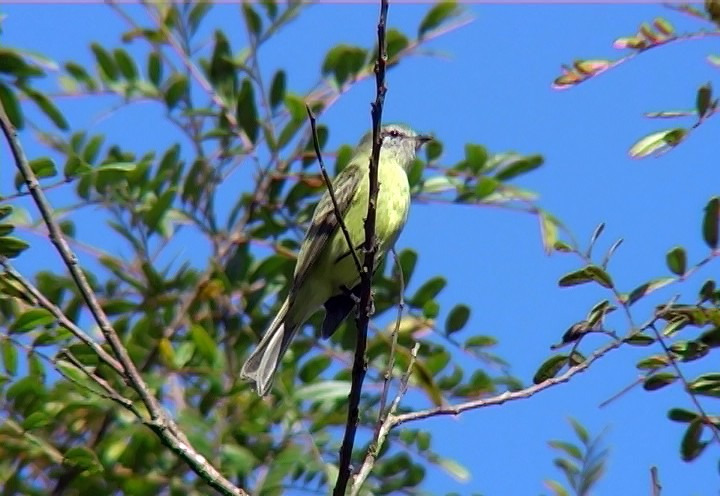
<point x="494" y="88"/>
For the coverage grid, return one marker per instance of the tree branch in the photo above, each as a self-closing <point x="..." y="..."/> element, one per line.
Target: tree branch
<point x="331" y="191"/>
<point x="384" y="428"/>
<point x="159" y="422"/>
<point x="40" y="300"/>
<point x="364" y="308"/>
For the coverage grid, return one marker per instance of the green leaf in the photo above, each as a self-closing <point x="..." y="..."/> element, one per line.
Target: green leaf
<point x="479" y="342"/>
<point x="84" y="459"/>
<point x="567" y="448"/>
<point x="277" y="89"/>
<point x="160" y="208"/>
<point x="548" y="231"/>
<point x="433" y="150"/>
<point x="197" y="13"/>
<point x="81" y="75"/>
<point x="518" y="167"/>
<point x="48" y="108"/>
<point x="408" y="261"/>
<point x="31" y="319"/>
<point x="324" y="391"/>
<point x="37" y="419"/>
<point x="252" y="19"/>
<point x="454" y="468"/>
<point x="155" y="68"/>
<point x="431" y="309"/>
<point x="312" y="369"/>
<point x="343" y="62"/>
<point x="580" y="431"/>
<point x="5" y="211"/>
<point x="457" y="318"/>
<point x="691" y="447"/>
<point x="703" y="99"/>
<point x="640" y="340"/>
<point x="710" y="222"/>
<point x="437" y="184"/>
<point x="550" y="368"/>
<point x="475" y="157"/>
<point x="653" y="362"/>
<point x="438" y="14"/>
<point x="11" y="247"/>
<point x="395" y="43"/>
<point x="485" y="187"/>
<point x="236" y="459"/>
<point x="682" y="415"/>
<point x="43" y="167"/>
<point x="657" y="143"/>
<point x="647" y="288"/>
<point x="428" y="291"/>
<point x="556" y="488"/>
<point x="12" y="63"/>
<point x="126" y="64"/>
<point x="118" y="166"/>
<point x="204" y="343"/>
<point x="587" y="274"/>
<point x="246" y="113"/>
<point x="105" y="62"/>
<point x="677" y="260"/>
<point x="176" y="88"/>
<point x="11" y="106"/>
<point x="9" y="356"/>
<point x="659" y="381"/>
<point x="75" y="166"/>
<point x="222" y="71"/>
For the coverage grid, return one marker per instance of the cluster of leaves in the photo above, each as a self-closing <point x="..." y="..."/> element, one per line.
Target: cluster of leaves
<point x="668" y="328"/>
<point x="187" y="323"/>
<point x="653" y="35"/>
<point x="582" y="465"/>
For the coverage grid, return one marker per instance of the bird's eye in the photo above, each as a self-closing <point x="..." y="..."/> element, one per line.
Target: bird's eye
<point x="394" y="133"/>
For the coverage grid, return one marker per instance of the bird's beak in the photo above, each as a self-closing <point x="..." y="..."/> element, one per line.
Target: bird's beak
<point x="422" y="139"/>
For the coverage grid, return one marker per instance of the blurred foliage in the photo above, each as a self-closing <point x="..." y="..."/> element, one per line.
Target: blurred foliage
<point x="582" y="465"/>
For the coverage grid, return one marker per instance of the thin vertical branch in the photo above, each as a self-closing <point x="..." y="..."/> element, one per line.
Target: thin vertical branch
<point x="364" y="308"/>
<point x="655" y="486"/>
<point x="393" y="343"/>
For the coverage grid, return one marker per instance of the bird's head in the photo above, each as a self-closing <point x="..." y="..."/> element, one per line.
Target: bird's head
<point x="398" y="142"/>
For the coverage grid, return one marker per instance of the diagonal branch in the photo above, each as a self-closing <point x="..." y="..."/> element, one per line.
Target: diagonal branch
<point x="40" y="300"/>
<point x="331" y="190"/>
<point x="365" y="306"/>
<point x="159" y="422"/>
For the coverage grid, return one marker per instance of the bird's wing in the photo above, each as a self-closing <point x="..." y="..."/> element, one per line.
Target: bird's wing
<point x="324" y="222"/>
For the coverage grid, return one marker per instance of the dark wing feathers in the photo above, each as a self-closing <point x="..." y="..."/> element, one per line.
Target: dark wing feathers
<point x="324" y="222"/>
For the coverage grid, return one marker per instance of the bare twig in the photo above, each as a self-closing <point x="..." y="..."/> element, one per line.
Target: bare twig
<point x="393" y="343"/>
<point x="384" y="427"/>
<point x="506" y="396"/>
<point x="655" y="486"/>
<point x="159" y="422"/>
<point x="359" y="365"/>
<point x="40" y="300"/>
<point x="331" y="191"/>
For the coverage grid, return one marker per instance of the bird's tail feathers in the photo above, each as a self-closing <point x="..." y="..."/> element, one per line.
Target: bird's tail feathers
<point x="263" y="362"/>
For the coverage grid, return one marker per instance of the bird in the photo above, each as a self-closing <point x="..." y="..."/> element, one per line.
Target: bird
<point x="326" y="273"/>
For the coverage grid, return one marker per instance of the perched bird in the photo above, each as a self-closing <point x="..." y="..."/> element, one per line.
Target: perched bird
<point x="325" y="272"/>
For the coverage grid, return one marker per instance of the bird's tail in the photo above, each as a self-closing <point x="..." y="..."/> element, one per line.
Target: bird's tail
<point x="263" y="362"/>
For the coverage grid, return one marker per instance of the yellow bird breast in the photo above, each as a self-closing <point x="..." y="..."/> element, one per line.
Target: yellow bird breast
<point x="393" y="204"/>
